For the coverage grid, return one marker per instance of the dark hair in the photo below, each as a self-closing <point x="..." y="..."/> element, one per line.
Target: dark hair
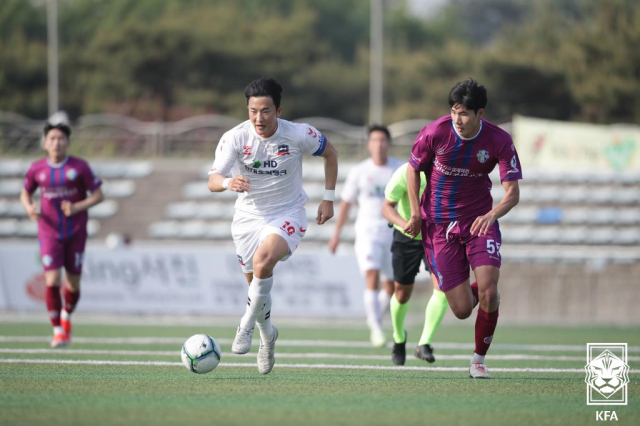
<point x="469" y="93"/>
<point x="60" y="126"/>
<point x="264" y="87"/>
<point x="380" y="128"/>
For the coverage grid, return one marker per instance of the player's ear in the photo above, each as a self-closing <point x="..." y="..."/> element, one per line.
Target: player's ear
<point x="481" y="113"/>
<point x="279" y="111"/>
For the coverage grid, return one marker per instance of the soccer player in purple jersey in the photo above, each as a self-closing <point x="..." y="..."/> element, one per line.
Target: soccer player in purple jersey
<point x="456" y="214"/>
<point x="62" y="222"/>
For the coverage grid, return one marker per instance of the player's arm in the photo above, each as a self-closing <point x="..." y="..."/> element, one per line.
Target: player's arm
<point x="511" y="197"/>
<point x="69" y="208"/>
<point x="414" y="224"/>
<point x="29" y="206"/>
<point x="391" y="214"/>
<point x="325" y="210"/>
<point x="218" y="183"/>
<point x="343" y="215"/>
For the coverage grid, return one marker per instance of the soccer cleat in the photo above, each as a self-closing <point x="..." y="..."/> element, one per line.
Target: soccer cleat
<point x="60" y="340"/>
<point x="399" y="351"/>
<point x="66" y="326"/>
<point x="242" y="342"/>
<point x="478" y="371"/>
<point x="266" y="354"/>
<point x="425" y="352"/>
<point x="377" y="339"/>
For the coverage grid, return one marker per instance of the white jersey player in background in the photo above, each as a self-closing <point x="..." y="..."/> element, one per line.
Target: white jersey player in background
<point x="270" y="218"/>
<point x="364" y="187"/>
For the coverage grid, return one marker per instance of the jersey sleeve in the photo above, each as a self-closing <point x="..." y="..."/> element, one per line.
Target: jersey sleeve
<point x="422" y="151"/>
<point x="508" y="162"/>
<point x="350" y="189"/>
<point x="313" y="142"/>
<point x="225" y="156"/>
<point x="30" y="183"/>
<point x="90" y="180"/>
<point x="397" y="186"/>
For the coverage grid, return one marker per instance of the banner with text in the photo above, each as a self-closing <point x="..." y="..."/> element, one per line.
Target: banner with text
<point x="566" y="147"/>
<point x="182" y="281"/>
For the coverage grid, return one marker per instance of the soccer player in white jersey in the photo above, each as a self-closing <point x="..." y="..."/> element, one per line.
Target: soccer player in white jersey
<point x="270" y="218"/>
<point x="364" y="187"/>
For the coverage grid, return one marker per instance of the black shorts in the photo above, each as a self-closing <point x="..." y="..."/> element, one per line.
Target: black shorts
<point x="406" y="255"/>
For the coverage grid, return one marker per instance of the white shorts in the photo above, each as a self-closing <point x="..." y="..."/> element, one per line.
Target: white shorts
<point x="374" y="255"/>
<point x="249" y="232"/>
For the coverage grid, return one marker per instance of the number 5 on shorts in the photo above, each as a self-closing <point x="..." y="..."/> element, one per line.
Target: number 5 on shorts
<point x="493" y="247"/>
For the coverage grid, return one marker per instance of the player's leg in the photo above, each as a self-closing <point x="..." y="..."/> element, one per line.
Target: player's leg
<point x="484" y="256"/>
<point x="73" y="259"/>
<point x="52" y="256"/>
<point x="387" y="286"/>
<point x="434" y="313"/>
<point x="372" y="307"/>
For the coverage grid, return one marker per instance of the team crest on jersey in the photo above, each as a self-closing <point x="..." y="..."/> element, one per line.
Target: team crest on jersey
<point x="283" y="149"/>
<point x="483" y="156"/>
<point x="71" y="174"/>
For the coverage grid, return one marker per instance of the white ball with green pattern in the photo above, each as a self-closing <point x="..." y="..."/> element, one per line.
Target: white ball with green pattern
<point x="200" y="354"/>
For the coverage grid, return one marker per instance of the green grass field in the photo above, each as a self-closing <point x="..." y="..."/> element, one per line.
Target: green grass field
<point x="324" y="375"/>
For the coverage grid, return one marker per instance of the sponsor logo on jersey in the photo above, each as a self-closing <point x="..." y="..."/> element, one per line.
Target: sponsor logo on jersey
<point x="283" y="149"/>
<point x="71" y="174"/>
<point x="483" y="156"/>
<point x="514" y="166"/>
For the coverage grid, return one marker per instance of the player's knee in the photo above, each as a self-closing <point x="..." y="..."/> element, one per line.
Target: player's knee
<point x="489" y="296"/>
<point x="462" y="312"/>
<point x="263" y="264"/>
<point x="402" y="295"/>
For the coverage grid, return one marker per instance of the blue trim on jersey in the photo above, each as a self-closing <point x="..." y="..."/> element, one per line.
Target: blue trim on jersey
<point x="323" y="145"/>
<point x="57" y="204"/>
<point x="440" y="186"/>
<point x="456" y="183"/>
<point x="67" y="219"/>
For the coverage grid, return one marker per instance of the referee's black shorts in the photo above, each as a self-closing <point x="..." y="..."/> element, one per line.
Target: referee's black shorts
<point x="406" y="255"/>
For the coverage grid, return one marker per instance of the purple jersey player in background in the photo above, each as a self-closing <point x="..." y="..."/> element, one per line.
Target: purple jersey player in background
<point x="62" y="222"/>
<point x="457" y="219"/>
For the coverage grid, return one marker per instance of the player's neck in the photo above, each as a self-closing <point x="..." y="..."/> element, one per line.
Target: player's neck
<point x="55" y="160"/>
<point x="380" y="161"/>
<point x="474" y="133"/>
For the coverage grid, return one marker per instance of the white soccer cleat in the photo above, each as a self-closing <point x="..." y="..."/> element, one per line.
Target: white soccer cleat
<point x="377" y="339"/>
<point x="242" y="342"/>
<point x="478" y="371"/>
<point x="266" y="354"/>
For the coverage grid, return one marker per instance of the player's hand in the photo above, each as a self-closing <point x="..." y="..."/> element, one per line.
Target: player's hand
<point x="333" y="243"/>
<point x="239" y="184"/>
<point x="325" y="212"/>
<point x="414" y="226"/>
<point x="482" y="224"/>
<point x="32" y="211"/>
<point x="68" y="208"/>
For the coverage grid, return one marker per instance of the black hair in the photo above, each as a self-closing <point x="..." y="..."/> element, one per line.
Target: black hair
<point x="265" y="86"/>
<point x="380" y="128"/>
<point x="469" y="93"/>
<point x="60" y="126"/>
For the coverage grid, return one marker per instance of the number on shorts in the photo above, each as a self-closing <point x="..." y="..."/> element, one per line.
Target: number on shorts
<point x="493" y="247"/>
<point x="290" y="230"/>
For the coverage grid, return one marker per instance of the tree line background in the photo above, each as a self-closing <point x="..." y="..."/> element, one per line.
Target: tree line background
<point x="170" y="59"/>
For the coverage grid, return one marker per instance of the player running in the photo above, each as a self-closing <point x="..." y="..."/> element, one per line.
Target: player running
<point x="458" y="224"/>
<point x="365" y="187"/>
<point x="62" y="222"/>
<point x="270" y="218"/>
<point x="407" y="254"/>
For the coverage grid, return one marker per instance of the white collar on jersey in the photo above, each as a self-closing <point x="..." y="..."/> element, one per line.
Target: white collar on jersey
<point x="253" y="130"/>
<point x="468" y="139"/>
<point x="57" y="165"/>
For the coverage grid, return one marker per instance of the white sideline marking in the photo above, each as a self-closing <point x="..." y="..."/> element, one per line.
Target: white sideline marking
<point x="305" y="343"/>
<point x="311" y="366"/>
<point x="306" y="355"/>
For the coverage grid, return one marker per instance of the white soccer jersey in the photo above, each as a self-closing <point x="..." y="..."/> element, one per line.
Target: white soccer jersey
<point x="273" y="165"/>
<point x="365" y="186"/>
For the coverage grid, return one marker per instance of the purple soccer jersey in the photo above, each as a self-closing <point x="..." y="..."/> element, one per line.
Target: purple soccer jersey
<point x="69" y="180"/>
<point x="457" y="169"/>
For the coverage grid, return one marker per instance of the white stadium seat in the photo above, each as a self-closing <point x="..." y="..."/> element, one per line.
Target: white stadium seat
<point x="164" y="229"/>
<point x="576" y="215"/>
<point x="11" y="187"/>
<point x="627" y="217"/>
<point x="572" y="235"/>
<point x="628" y="236"/>
<point x="8" y="227"/>
<point x="545" y="235"/>
<point x="13" y="168"/>
<point x="105" y="209"/>
<point x="601" y="236"/>
<point x="184" y="210"/>
<point x="118" y="188"/>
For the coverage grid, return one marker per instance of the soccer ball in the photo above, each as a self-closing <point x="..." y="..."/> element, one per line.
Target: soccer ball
<point x="200" y="354"/>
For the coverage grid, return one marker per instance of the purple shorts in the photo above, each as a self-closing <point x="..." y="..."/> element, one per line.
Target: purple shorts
<point x="69" y="253"/>
<point x="451" y="249"/>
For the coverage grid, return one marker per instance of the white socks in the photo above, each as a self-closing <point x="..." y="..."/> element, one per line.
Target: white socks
<point x="264" y="322"/>
<point x="384" y="301"/>
<point x="477" y="358"/>
<point x="372" y="309"/>
<point x="259" y="292"/>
